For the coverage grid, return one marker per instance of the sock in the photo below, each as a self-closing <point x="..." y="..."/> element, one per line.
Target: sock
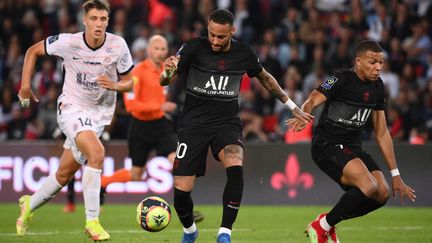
<point x="183" y="205"/>
<point x="46" y="192"/>
<point x="223" y="230"/>
<point x="232" y="195"/>
<point x="191" y="229"/>
<point x="324" y="224"/>
<point x="91" y="182"/>
<point x="70" y="195"/>
<point x="349" y="202"/>
<point x="122" y="175"/>
<point x="367" y="207"/>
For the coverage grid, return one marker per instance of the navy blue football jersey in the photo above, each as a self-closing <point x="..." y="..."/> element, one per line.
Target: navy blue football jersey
<point x="213" y="82"/>
<point x="350" y="102"/>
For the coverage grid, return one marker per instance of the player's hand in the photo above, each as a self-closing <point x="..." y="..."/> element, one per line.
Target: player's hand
<point x="170" y="65"/>
<point x="169" y="106"/>
<point x="405" y="191"/>
<point x="295" y="124"/>
<point x="25" y="95"/>
<point x="302" y="116"/>
<point x="105" y="82"/>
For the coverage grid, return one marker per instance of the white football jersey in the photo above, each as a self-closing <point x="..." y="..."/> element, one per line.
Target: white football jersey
<point x="82" y="65"/>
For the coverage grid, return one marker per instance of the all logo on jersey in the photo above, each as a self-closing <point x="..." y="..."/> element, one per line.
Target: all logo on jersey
<point x="221" y="85"/>
<point x="215" y="86"/>
<point x="329" y="83"/>
<point x="52" y="39"/>
<point x="361" y="115"/>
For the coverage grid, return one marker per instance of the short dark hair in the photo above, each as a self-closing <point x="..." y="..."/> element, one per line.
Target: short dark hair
<point x="368" y="45"/>
<point x="222" y="16"/>
<point x="97" y="4"/>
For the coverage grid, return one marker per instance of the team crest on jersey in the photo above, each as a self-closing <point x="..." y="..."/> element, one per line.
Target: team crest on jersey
<point x="52" y="39"/>
<point x="329" y="82"/>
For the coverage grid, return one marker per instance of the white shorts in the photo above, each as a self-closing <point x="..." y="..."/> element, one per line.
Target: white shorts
<point x="72" y="120"/>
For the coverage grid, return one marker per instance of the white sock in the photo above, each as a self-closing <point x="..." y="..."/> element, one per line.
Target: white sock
<point x="191" y="229"/>
<point x="224" y="230"/>
<point x="91" y="182"/>
<point x="49" y="188"/>
<point x="324" y="224"/>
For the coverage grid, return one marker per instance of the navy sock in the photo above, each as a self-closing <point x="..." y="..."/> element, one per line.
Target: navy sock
<point x="183" y="205"/>
<point x="350" y="202"/>
<point x="232" y="195"/>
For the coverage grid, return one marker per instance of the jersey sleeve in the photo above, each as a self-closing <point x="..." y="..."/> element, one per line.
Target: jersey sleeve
<point x="381" y="104"/>
<point x="56" y="45"/>
<point x="124" y="63"/>
<point x="331" y="85"/>
<point x="254" y="66"/>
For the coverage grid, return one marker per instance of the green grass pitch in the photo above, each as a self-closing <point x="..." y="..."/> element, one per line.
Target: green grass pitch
<point x="255" y="224"/>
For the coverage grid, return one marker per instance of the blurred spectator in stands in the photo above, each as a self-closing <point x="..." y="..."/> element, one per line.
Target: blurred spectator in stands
<point x="47" y="113"/>
<point x="378" y="22"/>
<point x="292" y="80"/>
<point x="397" y="56"/>
<point x="418" y="135"/>
<point x="45" y="78"/>
<point x="314" y="79"/>
<point x="255" y="103"/>
<point x="6" y="102"/>
<point x="357" y="21"/>
<point x="418" y="45"/>
<point x="395" y="123"/>
<point x="269" y="63"/>
<point x="34" y="127"/>
<point x="16" y="126"/>
<point x="139" y="44"/>
<point x="14" y="60"/>
<point x="120" y="26"/>
<point x="400" y="26"/>
<point x="289" y="42"/>
<point x="390" y="80"/>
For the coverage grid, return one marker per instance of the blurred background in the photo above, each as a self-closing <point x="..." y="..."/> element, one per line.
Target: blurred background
<point x="299" y="42"/>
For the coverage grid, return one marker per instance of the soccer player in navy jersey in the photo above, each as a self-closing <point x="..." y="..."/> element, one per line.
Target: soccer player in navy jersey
<point x="212" y="68"/>
<point x="351" y="97"/>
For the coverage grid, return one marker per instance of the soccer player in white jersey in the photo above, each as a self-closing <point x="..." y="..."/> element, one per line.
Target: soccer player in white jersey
<point x="92" y="61"/>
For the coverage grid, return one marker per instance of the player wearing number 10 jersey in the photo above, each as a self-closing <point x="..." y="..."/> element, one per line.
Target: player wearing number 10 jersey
<point x="212" y="68"/>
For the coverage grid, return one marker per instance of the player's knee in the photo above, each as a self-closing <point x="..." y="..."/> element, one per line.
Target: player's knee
<point x="383" y="195"/>
<point x="95" y="158"/>
<point x="63" y="177"/>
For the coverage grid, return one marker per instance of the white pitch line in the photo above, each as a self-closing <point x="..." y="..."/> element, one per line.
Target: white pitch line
<point x="116" y="232"/>
<point x="412" y="227"/>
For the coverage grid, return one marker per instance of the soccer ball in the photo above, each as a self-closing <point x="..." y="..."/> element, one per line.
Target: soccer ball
<point x="153" y="214"/>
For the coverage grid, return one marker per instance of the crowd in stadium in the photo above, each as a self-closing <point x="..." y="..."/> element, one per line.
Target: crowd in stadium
<point x="299" y="42"/>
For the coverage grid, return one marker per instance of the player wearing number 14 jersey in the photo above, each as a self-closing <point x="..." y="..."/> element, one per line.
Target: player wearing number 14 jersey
<point x="92" y="61"/>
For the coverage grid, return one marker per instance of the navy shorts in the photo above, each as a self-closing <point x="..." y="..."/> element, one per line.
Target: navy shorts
<point x="193" y="146"/>
<point x="145" y="136"/>
<point x="332" y="158"/>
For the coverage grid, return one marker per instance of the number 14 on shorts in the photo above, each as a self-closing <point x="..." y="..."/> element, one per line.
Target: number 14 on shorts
<point x="85" y="121"/>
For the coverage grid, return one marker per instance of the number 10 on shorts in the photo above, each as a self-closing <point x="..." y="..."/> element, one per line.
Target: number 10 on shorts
<point x="181" y="150"/>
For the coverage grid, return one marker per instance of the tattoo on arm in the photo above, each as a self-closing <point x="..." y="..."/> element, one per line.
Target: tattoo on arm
<point x="270" y="83"/>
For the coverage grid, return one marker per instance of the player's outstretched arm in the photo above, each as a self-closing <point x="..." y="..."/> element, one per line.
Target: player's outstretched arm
<point x="385" y="143"/>
<point x="270" y="83"/>
<point x="315" y="99"/>
<point x="25" y="93"/>
<point x="170" y="70"/>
